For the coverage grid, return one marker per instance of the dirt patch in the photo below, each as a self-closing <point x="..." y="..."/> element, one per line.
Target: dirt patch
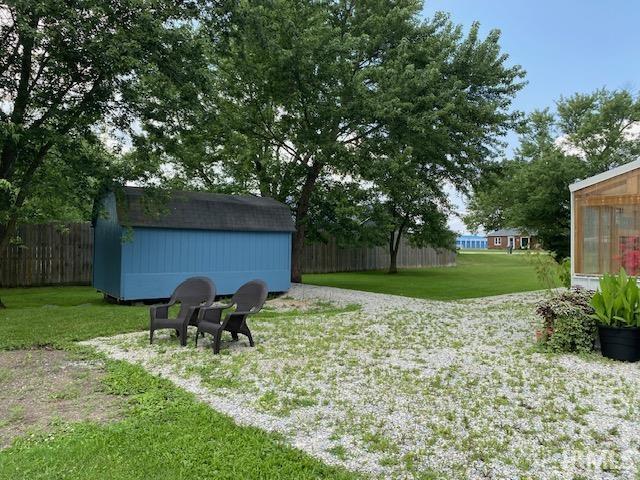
<point x="282" y="304"/>
<point x="41" y="387"/>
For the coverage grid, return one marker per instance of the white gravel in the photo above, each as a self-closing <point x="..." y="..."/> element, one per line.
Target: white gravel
<point x="410" y="388"/>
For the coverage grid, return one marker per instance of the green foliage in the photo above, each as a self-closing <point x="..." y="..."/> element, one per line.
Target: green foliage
<point x="285" y="97"/>
<point x="66" y="70"/>
<point x="575" y="333"/>
<point x="348" y="212"/>
<point x="588" y="135"/>
<point x="567" y="323"/>
<point x="616" y="304"/>
<point x="564" y="272"/>
<point x="599" y="124"/>
<point x="547" y="270"/>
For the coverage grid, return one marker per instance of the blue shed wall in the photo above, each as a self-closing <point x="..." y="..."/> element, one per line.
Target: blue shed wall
<point x="107" y="235"/>
<point x="156" y="260"/>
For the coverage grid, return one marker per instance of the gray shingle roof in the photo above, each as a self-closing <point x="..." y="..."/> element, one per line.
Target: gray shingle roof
<point x="508" y="232"/>
<point x="204" y="211"/>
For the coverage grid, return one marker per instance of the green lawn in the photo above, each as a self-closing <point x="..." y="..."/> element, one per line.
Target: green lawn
<point x="165" y="433"/>
<point x="55" y="316"/>
<point x="475" y="275"/>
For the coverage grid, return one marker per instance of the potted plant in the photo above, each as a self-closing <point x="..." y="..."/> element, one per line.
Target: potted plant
<point x="617" y="311"/>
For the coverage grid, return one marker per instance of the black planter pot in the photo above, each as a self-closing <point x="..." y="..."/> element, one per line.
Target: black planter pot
<point x="620" y="343"/>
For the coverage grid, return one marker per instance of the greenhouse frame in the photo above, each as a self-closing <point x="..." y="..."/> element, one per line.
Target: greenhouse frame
<point x="605" y="225"/>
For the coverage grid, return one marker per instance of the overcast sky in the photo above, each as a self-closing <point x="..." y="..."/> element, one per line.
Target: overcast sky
<point x="566" y="46"/>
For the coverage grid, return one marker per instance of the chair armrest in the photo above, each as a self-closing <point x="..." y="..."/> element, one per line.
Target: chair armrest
<point x="212" y="313"/>
<point x="160" y="311"/>
<point x="240" y="312"/>
<point x="219" y="306"/>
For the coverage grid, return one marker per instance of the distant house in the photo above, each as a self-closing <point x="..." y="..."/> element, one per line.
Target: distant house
<point x="605" y="225"/>
<point x="502" y="239"/>
<point x="471" y="242"/>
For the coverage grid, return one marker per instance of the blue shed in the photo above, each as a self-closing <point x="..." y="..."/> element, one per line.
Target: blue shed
<point x="144" y="253"/>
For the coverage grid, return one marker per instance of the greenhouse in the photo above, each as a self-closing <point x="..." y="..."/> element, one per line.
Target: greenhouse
<point x="605" y="224"/>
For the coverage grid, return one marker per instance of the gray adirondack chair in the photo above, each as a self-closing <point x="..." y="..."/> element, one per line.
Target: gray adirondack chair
<point x="248" y="300"/>
<point x="192" y="294"/>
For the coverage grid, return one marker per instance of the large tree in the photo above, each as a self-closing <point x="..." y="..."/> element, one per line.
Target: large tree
<point x="589" y="134"/>
<point x="413" y="204"/>
<point x="302" y="94"/>
<point x="64" y="70"/>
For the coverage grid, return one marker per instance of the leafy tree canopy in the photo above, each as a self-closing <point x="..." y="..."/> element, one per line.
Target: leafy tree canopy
<point x="298" y="98"/>
<point x="589" y="134"/>
<point x="65" y="69"/>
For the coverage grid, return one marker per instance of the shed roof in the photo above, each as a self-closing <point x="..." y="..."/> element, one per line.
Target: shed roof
<point x="601" y="177"/>
<point x="204" y="211"/>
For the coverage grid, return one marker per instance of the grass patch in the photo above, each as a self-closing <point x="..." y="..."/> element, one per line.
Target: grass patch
<point x="475" y="275"/>
<point x="56" y="316"/>
<point x="167" y="434"/>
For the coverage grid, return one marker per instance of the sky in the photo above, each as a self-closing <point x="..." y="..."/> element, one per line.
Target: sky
<point x="565" y="46"/>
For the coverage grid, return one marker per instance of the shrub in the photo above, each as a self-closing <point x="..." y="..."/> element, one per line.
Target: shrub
<point x="568" y="315"/>
<point x="573" y="334"/>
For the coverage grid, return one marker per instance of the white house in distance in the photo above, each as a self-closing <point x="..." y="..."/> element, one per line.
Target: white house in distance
<point x="605" y="225"/>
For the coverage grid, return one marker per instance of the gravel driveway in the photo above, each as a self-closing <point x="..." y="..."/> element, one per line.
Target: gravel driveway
<point x="409" y="388"/>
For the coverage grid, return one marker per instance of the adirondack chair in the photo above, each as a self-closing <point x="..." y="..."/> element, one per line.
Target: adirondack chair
<point x="248" y="300"/>
<point x="192" y="294"/>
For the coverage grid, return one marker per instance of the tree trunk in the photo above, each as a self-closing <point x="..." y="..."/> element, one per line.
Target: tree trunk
<point x="394" y="246"/>
<point x="302" y="210"/>
<point x="393" y="260"/>
<point x="296" y="254"/>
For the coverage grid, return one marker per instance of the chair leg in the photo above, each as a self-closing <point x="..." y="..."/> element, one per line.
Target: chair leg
<point x="183" y="337"/>
<point x="234" y="336"/>
<point x="151" y="337"/>
<point x="248" y="334"/>
<point x="216" y="342"/>
<point x="197" y="333"/>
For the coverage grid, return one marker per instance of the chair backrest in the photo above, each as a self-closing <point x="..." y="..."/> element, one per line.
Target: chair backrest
<point x="194" y="291"/>
<point x="251" y="296"/>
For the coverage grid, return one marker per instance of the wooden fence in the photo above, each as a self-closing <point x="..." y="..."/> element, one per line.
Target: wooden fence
<point x="328" y="257"/>
<point x="49" y="254"/>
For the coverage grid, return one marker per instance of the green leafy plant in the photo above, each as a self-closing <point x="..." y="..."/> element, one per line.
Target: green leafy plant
<point x="564" y="272"/>
<point x="567" y="323"/>
<point x="547" y="269"/>
<point x="616" y="304"/>
<point x="575" y="333"/>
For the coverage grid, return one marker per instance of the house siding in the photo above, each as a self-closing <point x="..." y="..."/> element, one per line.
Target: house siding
<point x="505" y="242"/>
